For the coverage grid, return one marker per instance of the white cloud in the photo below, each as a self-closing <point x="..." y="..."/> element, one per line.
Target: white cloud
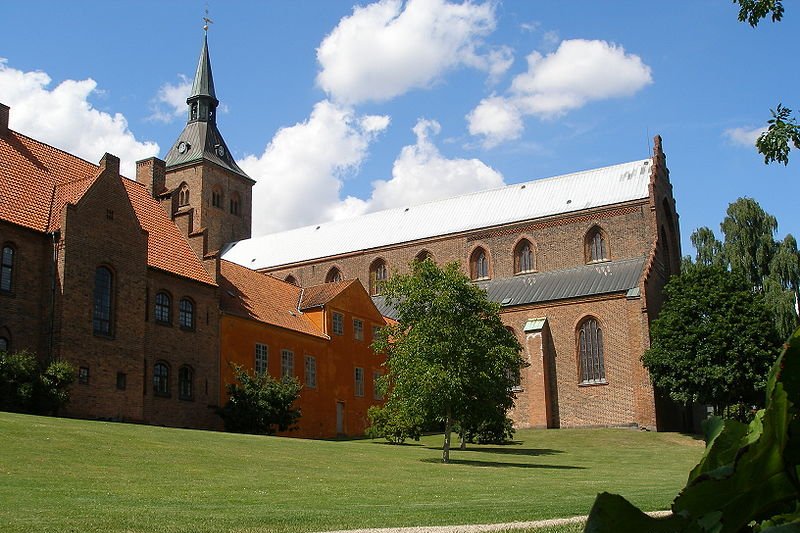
<point x="170" y="101"/>
<point x="300" y="172"/>
<point x="422" y="174"/>
<point x="744" y="136"/>
<point x="64" y="117"/>
<point x="497" y="119"/>
<point x="578" y="72"/>
<point x="388" y="48"/>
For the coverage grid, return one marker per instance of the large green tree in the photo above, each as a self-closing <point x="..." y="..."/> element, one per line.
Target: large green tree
<point x="772" y="268"/>
<point x="713" y="342"/>
<point x="449" y="357"/>
<point x="783" y="131"/>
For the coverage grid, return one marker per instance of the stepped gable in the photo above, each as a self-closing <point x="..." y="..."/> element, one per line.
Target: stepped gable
<point x="37" y="181"/>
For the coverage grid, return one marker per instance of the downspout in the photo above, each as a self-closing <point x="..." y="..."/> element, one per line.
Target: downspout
<point x="53" y="274"/>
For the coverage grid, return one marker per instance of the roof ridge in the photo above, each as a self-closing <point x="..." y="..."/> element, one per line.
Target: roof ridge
<point x="42" y="143"/>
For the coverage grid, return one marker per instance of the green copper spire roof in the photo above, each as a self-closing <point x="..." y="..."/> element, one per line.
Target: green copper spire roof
<point x="200" y="139"/>
<point x="203" y="79"/>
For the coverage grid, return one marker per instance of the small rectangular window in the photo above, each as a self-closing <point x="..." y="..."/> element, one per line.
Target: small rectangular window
<point x="83" y="375"/>
<point x="338" y="323"/>
<point x="262" y="353"/>
<point x="311" y="372"/>
<point x="358" y="329"/>
<point x="359" y="378"/>
<point x="287" y="363"/>
<point x="122" y="380"/>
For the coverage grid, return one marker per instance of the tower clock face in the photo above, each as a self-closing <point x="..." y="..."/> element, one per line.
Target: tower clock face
<point x="183" y="147"/>
<point x="220" y="150"/>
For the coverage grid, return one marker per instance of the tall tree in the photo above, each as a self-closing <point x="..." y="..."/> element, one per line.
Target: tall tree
<point x="449" y="355"/>
<point x="709" y="248"/>
<point x="713" y="341"/>
<point x="749" y="240"/>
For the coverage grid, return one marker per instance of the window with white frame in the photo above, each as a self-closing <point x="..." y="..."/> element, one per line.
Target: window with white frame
<point x="287" y="363"/>
<point x="338" y="323"/>
<point x="358" y="329"/>
<point x="262" y="352"/>
<point x="359" y="378"/>
<point x="311" y="372"/>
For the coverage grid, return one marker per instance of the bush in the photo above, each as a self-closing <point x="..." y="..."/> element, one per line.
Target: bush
<point x="497" y="430"/>
<point x="27" y="388"/>
<point x="393" y="425"/>
<point x="259" y="404"/>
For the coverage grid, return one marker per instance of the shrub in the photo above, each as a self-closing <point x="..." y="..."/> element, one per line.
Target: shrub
<point x="394" y="425"/>
<point x="259" y="404"/>
<point x="28" y="388"/>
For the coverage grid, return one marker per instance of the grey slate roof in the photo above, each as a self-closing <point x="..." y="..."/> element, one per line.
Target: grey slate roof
<point x="585" y="280"/>
<point x="203" y="139"/>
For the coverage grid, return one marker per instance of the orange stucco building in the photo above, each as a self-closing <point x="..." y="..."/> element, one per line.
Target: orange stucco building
<point x="319" y="334"/>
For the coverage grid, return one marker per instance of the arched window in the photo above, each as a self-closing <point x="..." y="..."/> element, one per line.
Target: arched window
<point x="186" y="313"/>
<point x="378" y="274"/>
<point x="7" y="269"/>
<point x="590" y="350"/>
<point x="524" y="260"/>
<point x="4" y="344"/>
<point x="161" y="379"/>
<point x="235" y="203"/>
<point x="185" y="385"/>
<point x="102" y="316"/>
<point x="216" y="197"/>
<point x="596" y="248"/>
<point x="479" y="264"/>
<point x="291" y="279"/>
<point x="163" y="312"/>
<point x="423" y="255"/>
<point x="183" y="196"/>
<point x="334" y="275"/>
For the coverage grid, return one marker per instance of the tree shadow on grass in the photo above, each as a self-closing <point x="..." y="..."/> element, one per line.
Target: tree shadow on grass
<point x="508" y="450"/>
<point x="500" y="464"/>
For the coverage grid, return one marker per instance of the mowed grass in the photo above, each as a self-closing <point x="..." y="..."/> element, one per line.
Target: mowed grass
<point x="74" y="475"/>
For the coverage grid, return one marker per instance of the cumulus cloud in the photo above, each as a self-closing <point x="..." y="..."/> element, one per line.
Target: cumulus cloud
<point x="387" y="48"/>
<point x="422" y="174"/>
<point x="300" y="172"/>
<point x="578" y="72"/>
<point x="64" y="117"/>
<point x="170" y="101"/>
<point x="744" y="136"/>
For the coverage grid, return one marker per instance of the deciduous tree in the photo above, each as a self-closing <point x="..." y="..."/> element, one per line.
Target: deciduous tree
<point x="260" y="404"/>
<point x="449" y="356"/>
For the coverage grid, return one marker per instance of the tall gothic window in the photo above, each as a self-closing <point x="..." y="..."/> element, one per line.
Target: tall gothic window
<point x="523" y="257"/>
<point x="423" y="255"/>
<point x="162" y="310"/>
<point x="102" y="317"/>
<point x="161" y="379"/>
<point x="4" y="344"/>
<point x="185" y="383"/>
<point x="378" y="274"/>
<point x="291" y="279"/>
<point x="186" y="314"/>
<point x="235" y="204"/>
<point x="216" y="197"/>
<point x="596" y="249"/>
<point x="334" y="275"/>
<point x="590" y="350"/>
<point x="7" y="269"/>
<point x="183" y="196"/>
<point x="479" y="264"/>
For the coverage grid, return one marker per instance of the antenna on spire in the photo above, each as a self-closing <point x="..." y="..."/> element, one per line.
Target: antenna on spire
<point x="207" y="21"/>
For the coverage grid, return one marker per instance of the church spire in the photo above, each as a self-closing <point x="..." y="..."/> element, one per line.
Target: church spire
<point x="203" y="99"/>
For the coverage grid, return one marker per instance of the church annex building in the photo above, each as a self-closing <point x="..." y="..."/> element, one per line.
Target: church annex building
<point x="153" y="288"/>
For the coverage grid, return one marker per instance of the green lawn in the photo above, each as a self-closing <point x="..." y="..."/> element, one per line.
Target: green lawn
<point x="73" y="475"/>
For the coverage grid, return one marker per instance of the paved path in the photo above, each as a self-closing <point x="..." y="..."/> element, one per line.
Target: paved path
<point x="481" y="528"/>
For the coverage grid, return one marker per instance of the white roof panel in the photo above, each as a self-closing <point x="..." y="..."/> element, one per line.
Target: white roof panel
<point x="513" y="203"/>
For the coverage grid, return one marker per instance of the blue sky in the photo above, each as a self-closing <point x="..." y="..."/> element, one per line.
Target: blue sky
<point x="340" y="109"/>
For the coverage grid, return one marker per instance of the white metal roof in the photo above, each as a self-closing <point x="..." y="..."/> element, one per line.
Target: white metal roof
<point x="513" y="203"/>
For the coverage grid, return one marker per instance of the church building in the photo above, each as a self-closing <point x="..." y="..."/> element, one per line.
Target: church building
<point x="154" y="288"/>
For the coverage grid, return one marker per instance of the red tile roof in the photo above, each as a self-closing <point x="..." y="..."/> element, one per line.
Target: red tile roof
<point x="316" y="295"/>
<point x="251" y="294"/>
<point x="38" y="180"/>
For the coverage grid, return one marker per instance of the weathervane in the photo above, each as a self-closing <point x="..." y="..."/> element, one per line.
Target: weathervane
<point x="207" y="20"/>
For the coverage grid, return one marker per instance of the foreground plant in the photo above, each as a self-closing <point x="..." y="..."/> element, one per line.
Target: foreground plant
<point x="746" y="481"/>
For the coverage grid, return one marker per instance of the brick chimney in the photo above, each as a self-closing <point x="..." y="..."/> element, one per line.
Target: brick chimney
<point x="151" y="173"/>
<point x="110" y="162"/>
<point x="4" y="112"/>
